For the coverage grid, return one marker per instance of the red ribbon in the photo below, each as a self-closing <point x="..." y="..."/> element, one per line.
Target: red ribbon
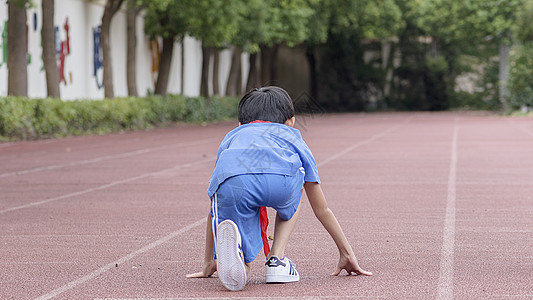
<point x="263" y="218"/>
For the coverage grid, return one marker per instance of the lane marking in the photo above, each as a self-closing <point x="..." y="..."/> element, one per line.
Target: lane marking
<point x="252" y="297"/>
<point x="105" y="186"/>
<point x="358" y="144"/>
<point x="165" y="239"/>
<point x="108" y="157"/>
<point x="120" y="261"/>
<point x="249" y="297"/>
<point x="445" y="287"/>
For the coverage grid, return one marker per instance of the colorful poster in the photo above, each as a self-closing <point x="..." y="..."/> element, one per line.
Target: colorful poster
<point x="97" y="58"/>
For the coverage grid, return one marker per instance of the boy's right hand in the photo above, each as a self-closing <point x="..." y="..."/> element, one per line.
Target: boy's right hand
<point x="350" y="264"/>
<point x="209" y="268"/>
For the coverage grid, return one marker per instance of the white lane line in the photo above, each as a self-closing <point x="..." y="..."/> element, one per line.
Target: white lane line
<point x="249" y="297"/>
<point x="358" y="144"/>
<point x="445" y="287"/>
<point x="108" y="157"/>
<point x="109" y="266"/>
<point x="105" y="186"/>
<point x="120" y="261"/>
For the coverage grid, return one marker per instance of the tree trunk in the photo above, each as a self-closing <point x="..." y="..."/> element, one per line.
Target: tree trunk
<point x="216" y="76"/>
<point x="232" y="86"/>
<point x="182" y="87"/>
<point x="274" y="64"/>
<point x="387" y="64"/>
<point x="265" y="62"/>
<point x="313" y="81"/>
<point x="504" y="74"/>
<point x="204" y="83"/>
<point x="111" y="7"/>
<point x="49" y="49"/>
<point x="253" y="73"/>
<point x="268" y="64"/>
<point x="131" y="65"/>
<point x="17" y="63"/>
<point x="161" y="86"/>
<point x="238" y="82"/>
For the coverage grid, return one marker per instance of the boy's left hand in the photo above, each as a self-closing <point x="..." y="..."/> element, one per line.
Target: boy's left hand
<point x="350" y="264"/>
<point x="209" y="268"/>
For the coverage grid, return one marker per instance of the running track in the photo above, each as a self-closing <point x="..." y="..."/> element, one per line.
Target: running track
<point x="437" y="205"/>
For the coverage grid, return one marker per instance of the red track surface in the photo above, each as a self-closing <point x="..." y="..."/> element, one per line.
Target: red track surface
<point x="437" y="205"/>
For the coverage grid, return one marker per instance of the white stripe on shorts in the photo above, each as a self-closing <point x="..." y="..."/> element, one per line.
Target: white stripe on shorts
<point x="214" y="220"/>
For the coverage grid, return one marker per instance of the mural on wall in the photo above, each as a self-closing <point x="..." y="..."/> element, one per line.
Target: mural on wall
<point x="156" y="56"/>
<point x="98" y="71"/>
<point x="63" y="50"/>
<point x="34" y="21"/>
<point x="4" y="45"/>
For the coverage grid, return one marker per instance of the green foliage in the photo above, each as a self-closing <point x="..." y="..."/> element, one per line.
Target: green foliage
<point x="346" y="81"/>
<point x="485" y="93"/>
<point x="23" y="3"/>
<point x="521" y="76"/>
<point x="523" y="27"/>
<point x="23" y="119"/>
<point x="371" y="19"/>
<point x="167" y="18"/>
<point x="473" y="101"/>
<point x="465" y="24"/>
<point x="318" y="21"/>
<point x="290" y="26"/>
<point x="215" y="22"/>
<point x="272" y="22"/>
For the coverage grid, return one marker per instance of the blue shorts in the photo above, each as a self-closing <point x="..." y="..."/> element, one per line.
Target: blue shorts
<point x="239" y="198"/>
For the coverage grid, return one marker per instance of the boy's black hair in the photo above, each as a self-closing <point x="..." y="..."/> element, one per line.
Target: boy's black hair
<point x="271" y="103"/>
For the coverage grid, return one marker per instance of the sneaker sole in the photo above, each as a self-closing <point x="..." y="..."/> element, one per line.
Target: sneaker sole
<point x="230" y="266"/>
<point x="282" y="278"/>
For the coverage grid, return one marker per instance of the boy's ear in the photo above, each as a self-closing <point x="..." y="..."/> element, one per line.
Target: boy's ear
<point x="240" y="124"/>
<point x="290" y="122"/>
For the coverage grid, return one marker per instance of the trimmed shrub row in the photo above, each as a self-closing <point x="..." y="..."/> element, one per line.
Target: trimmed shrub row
<point x="28" y="119"/>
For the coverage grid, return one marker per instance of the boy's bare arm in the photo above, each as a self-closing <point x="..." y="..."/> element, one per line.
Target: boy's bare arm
<point x="210" y="265"/>
<point x="347" y="260"/>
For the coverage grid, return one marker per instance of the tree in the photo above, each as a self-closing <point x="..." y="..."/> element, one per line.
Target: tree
<point x="286" y="23"/>
<point x="166" y="19"/>
<point x="252" y="31"/>
<point x="246" y="39"/>
<point x="17" y="63"/>
<point x="456" y="26"/>
<point x="134" y="7"/>
<point x="111" y="8"/>
<point x="318" y="24"/>
<point x="521" y="65"/>
<point x="234" y="83"/>
<point x="352" y="29"/>
<point x="214" y="23"/>
<point x="49" y="49"/>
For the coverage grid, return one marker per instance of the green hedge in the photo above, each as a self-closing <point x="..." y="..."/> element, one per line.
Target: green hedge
<point x="26" y="119"/>
<point x="521" y="76"/>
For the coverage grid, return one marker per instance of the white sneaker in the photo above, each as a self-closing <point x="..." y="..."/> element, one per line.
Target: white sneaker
<point x="230" y="259"/>
<point x="281" y="270"/>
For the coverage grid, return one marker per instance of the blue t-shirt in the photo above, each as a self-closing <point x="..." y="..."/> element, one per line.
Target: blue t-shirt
<point x="256" y="148"/>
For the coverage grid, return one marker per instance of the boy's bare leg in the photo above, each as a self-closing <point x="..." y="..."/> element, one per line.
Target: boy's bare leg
<point x="282" y="232"/>
<point x="210" y="265"/>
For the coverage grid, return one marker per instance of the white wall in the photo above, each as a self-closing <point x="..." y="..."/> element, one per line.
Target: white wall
<point x="85" y="15"/>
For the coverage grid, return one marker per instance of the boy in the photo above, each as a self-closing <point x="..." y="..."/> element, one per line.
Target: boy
<point x="264" y="162"/>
